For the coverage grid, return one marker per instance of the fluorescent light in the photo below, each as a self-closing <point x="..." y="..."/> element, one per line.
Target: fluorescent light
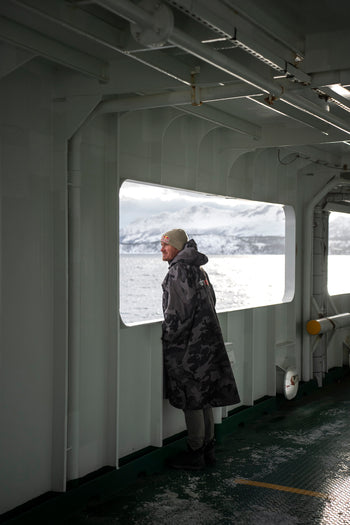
<point x="211" y="40"/>
<point x="337" y="88"/>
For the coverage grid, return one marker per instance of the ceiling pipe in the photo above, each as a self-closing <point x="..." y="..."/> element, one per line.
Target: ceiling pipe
<point x="245" y="34"/>
<point x="258" y="85"/>
<point x="313" y="109"/>
<point x="336" y="98"/>
<point x="181" y="100"/>
<point x="136" y="15"/>
<point x="225" y="64"/>
<point x="220" y="61"/>
<point x="66" y="22"/>
<point x="180" y="97"/>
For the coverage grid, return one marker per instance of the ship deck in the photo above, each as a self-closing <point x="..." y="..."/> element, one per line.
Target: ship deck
<point x="287" y="463"/>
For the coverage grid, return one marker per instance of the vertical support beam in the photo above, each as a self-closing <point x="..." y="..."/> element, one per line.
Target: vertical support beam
<point x="248" y="393"/>
<point x="320" y="232"/>
<point x="319" y="289"/>
<point x="74" y="307"/>
<point x="60" y="327"/>
<point x="307" y="275"/>
<point x="112" y="281"/>
<point x="116" y="371"/>
<point x="290" y="229"/>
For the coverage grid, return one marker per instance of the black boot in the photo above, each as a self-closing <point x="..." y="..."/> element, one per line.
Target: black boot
<point x="188" y="460"/>
<point x="209" y="453"/>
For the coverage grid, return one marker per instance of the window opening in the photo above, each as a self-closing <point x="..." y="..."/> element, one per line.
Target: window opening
<point x="245" y="242"/>
<point x="338" y="253"/>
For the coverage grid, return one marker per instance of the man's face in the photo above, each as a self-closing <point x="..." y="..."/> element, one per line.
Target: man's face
<point x="168" y="251"/>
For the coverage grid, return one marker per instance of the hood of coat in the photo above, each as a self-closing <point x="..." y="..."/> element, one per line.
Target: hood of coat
<point x="190" y="255"/>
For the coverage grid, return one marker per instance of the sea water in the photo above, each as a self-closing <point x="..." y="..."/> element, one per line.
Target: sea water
<point x="239" y="281"/>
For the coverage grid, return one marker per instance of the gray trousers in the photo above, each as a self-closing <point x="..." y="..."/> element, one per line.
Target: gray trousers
<point x="200" y="427"/>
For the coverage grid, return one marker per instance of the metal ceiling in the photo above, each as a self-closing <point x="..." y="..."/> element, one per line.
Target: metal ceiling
<point x="263" y="68"/>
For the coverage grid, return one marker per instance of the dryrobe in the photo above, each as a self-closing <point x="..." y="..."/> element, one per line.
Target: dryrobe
<point x="197" y="370"/>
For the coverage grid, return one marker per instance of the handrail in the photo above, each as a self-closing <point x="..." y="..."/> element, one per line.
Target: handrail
<point x="327" y="324"/>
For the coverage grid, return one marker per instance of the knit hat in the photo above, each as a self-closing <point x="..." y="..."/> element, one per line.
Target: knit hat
<point x="176" y="238"/>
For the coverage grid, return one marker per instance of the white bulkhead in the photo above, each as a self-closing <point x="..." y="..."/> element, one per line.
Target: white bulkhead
<point x="85" y="104"/>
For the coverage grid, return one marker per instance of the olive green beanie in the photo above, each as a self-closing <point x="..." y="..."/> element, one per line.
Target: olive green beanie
<point x="176" y="238"/>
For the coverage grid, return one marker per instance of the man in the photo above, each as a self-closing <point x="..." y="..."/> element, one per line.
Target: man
<point x="197" y="371"/>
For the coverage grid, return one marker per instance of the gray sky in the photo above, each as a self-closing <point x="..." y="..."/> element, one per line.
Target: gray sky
<point x="143" y="200"/>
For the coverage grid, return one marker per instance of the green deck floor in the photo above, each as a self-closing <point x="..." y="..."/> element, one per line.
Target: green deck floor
<point x="290" y="466"/>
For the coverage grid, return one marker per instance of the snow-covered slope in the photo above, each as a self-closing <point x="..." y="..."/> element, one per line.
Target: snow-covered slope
<point x="240" y="230"/>
<point x="339" y="234"/>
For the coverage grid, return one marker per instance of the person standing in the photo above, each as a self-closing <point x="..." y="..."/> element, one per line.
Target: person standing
<point x="197" y="372"/>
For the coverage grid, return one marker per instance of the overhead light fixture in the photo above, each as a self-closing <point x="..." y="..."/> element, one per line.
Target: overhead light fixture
<point x="338" y="88"/>
<point x="282" y="75"/>
<point x="212" y="40"/>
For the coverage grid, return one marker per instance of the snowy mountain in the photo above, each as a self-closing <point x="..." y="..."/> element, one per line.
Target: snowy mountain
<point x="240" y="230"/>
<point x="339" y="234"/>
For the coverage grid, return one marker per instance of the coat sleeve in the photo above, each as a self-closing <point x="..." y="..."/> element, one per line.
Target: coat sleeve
<point x="180" y="308"/>
<point x="211" y="289"/>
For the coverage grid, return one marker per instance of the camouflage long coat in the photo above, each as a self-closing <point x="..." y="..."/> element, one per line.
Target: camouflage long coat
<point x="197" y="370"/>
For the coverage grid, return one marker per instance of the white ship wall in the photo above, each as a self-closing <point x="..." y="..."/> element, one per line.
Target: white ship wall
<point x="108" y="398"/>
